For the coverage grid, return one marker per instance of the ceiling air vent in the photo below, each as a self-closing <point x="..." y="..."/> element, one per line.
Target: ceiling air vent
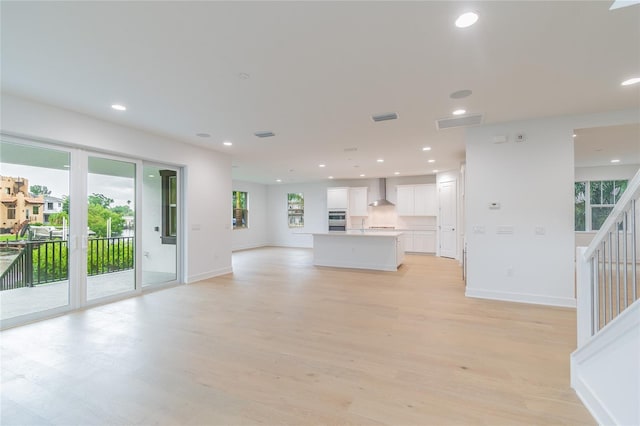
<point x="385" y="117"/>
<point x="462" y="121"/>
<point x="264" y="134"/>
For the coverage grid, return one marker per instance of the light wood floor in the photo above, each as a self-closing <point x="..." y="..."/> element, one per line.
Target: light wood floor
<point x="283" y="342"/>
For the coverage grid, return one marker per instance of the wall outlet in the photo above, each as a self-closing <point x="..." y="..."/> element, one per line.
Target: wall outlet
<point x="509" y="271"/>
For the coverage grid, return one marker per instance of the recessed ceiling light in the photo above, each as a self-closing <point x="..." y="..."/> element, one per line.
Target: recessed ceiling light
<point x="432" y="161"/>
<point x="459" y="111"/>
<point x="227" y="143"/>
<point x="278" y="180"/>
<point x="66" y="165"/>
<point x="380" y="160"/>
<point x="396" y="173"/>
<point x="119" y="107"/>
<point x="615" y="160"/>
<point x="435" y="171"/>
<point x="466" y="20"/>
<point x="203" y="135"/>
<point x="330" y="177"/>
<point x="631" y="81"/>
<point x="574" y="135"/>
<point x="362" y="175"/>
<point x="322" y="165"/>
<point x="426" y="148"/>
<point x="460" y="94"/>
<point x="151" y="176"/>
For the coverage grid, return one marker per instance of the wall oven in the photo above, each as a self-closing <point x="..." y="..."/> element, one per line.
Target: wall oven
<point x="337" y="220"/>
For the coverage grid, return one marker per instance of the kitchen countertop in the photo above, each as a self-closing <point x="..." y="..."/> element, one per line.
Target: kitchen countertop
<point x="359" y="233"/>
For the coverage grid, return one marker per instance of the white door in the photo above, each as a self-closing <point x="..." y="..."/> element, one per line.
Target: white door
<point x="447" y="219"/>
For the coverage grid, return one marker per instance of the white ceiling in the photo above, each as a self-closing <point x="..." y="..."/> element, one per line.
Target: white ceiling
<point x="318" y="70"/>
<point x="599" y="145"/>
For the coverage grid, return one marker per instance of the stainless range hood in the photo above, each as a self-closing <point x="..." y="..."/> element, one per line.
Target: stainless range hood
<point x="382" y="201"/>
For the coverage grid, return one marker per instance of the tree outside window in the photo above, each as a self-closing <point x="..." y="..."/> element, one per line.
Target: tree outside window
<point x="240" y="210"/>
<point x="295" y="209"/>
<point x="594" y="201"/>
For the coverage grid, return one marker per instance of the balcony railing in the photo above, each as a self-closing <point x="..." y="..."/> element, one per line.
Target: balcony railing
<point x="41" y="262"/>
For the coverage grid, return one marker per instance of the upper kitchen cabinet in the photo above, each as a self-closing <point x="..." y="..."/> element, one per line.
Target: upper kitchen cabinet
<point x="337" y="198"/>
<point x="417" y="200"/>
<point x="358" y="205"/>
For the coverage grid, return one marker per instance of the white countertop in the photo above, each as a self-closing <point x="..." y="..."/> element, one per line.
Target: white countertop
<point x="366" y="233"/>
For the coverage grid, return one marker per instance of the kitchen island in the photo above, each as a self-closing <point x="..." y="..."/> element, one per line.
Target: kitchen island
<point x="382" y="251"/>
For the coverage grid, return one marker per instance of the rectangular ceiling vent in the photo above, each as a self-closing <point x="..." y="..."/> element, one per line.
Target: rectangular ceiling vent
<point x="385" y="117"/>
<point x="463" y="121"/>
<point x="264" y="134"/>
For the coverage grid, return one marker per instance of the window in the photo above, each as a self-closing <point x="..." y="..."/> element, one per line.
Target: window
<point x="11" y="211"/>
<point x="594" y="201"/>
<point x="169" y="206"/>
<point x="36" y="209"/>
<point x="49" y="206"/>
<point x="295" y="208"/>
<point x="240" y="210"/>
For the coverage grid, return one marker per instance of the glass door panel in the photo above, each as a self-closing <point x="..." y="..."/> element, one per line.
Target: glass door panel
<point x="160" y="224"/>
<point x="34" y="220"/>
<point x="111" y="189"/>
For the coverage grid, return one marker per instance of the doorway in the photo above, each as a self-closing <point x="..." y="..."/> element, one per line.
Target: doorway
<point x="448" y="219"/>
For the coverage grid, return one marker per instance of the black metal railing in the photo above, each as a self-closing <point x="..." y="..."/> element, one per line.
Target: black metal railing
<point x="15" y="276"/>
<point x="41" y="262"/>
<point x="110" y="255"/>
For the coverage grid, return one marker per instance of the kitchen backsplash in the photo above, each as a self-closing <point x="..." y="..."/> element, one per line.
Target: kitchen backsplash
<point x="387" y="216"/>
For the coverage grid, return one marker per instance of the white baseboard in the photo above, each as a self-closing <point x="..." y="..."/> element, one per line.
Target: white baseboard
<point x="536" y="299"/>
<point x="249" y="246"/>
<point x="210" y="274"/>
<point x="590" y="400"/>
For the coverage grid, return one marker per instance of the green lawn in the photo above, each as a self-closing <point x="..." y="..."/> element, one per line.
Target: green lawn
<point x="8" y="237"/>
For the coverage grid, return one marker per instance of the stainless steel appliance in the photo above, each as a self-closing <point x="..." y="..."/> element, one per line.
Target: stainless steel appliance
<point x="337" y="220"/>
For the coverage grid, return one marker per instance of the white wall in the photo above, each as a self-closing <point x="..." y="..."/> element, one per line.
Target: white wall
<point x="533" y="181"/>
<point x="613" y="172"/>
<point x="207" y="173"/>
<point x="315" y="214"/>
<point x="256" y="234"/>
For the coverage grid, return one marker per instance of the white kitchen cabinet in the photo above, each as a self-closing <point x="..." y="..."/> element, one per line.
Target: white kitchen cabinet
<point x="337" y="198"/>
<point x="358" y="205"/>
<point x="417" y="200"/>
<point x="424" y="241"/>
<point x="404" y="200"/>
<point x="407" y="238"/>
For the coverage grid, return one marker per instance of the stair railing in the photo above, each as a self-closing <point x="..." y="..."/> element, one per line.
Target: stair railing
<point x="607" y="271"/>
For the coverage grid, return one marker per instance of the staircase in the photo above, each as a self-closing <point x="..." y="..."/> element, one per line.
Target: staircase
<point x="605" y="368"/>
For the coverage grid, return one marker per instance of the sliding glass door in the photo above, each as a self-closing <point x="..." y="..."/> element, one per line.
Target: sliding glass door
<point x="34" y="224"/>
<point x="160" y="218"/>
<point x="79" y="228"/>
<point x="110" y="239"/>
